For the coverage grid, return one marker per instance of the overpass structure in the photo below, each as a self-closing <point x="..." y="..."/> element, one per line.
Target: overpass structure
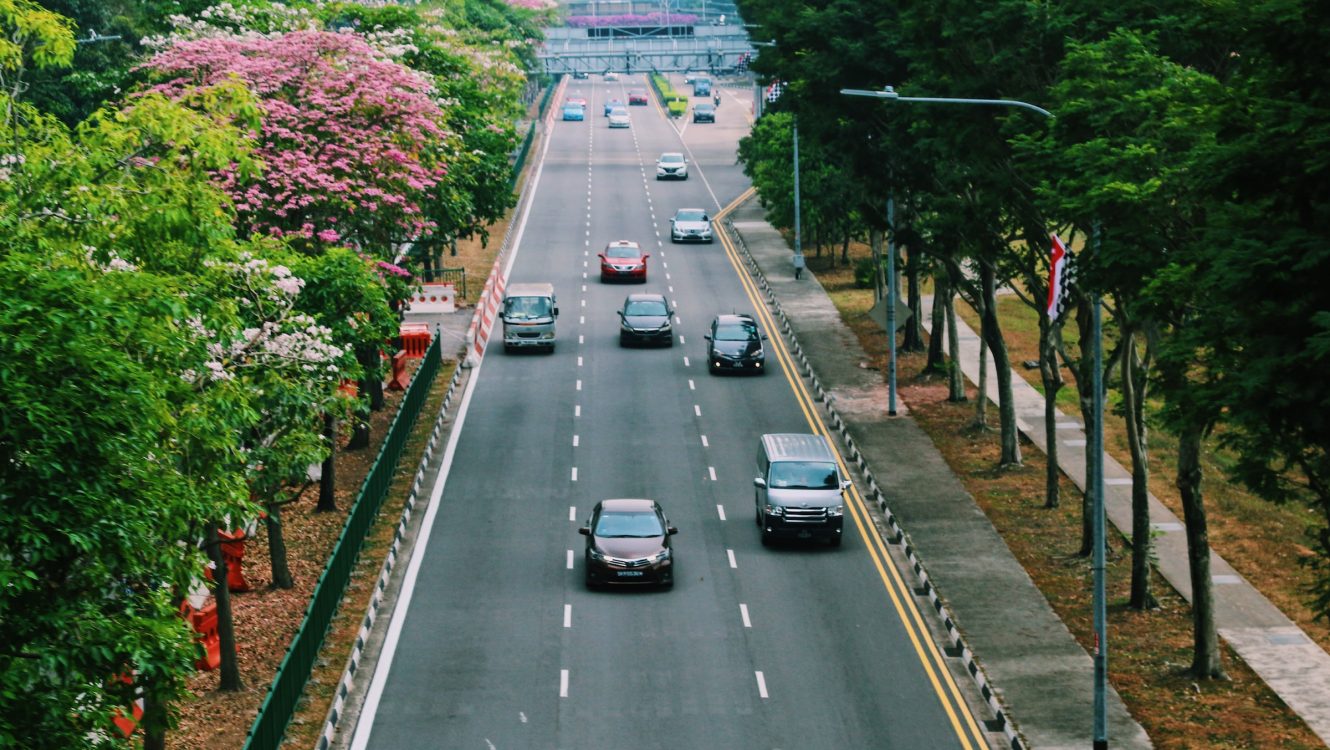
<point x="717" y="49"/>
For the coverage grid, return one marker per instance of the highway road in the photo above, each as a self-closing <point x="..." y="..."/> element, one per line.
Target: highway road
<point x="499" y="644"/>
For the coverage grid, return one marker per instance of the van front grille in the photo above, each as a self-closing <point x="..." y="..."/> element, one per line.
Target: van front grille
<point x="805" y="515"/>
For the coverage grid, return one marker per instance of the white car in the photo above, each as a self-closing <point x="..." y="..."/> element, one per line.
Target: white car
<point x="619" y="118"/>
<point x="671" y="166"/>
<point x="611" y="76"/>
<point x="691" y="225"/>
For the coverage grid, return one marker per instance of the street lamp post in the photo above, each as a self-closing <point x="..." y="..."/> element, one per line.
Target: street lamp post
<point x="1095" y="470"/>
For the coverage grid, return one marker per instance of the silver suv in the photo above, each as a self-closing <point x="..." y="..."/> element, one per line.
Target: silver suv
<point x="671" y="166"/>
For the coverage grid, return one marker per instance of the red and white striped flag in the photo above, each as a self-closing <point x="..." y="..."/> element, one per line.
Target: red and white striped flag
<point x="1059" y="279"/>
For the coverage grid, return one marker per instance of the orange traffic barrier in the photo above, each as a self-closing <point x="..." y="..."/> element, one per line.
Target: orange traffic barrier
<point x="400" y="377"/>
<point x="204" y="622"/>
<point x="415" y="339"/>
<point x="126" y="725"/>
<point x="233" y="551"/>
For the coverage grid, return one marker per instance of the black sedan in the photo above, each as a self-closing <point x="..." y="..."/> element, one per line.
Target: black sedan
<point x="645" y="319"/>
<point x="735" y="345"/>
<point x="628" y="542"/>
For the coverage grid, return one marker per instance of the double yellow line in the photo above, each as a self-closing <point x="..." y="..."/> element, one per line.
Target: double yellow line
<point x="949" y="694"/>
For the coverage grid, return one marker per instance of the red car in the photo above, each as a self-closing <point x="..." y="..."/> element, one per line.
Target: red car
<point x="637" y="96"/>
<point x="578" y="100"/>
<point x="623" y="260"/>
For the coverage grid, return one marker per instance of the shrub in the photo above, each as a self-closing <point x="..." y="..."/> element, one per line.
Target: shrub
<point x="676" y="107"/>
<point x="863" y="273"/>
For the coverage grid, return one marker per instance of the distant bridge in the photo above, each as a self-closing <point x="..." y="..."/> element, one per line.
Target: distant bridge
<point x="638" y="49"/>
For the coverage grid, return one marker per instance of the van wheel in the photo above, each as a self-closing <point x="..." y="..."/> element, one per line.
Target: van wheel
<point x="758" y="514"/>
<point x="766" y="539"/>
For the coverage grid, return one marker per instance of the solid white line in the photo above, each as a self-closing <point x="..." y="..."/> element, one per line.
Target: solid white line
<point x="574" y="473"/>
<point x="697" y="410"/>
<point x="743" y="611"/>
<point x="704" y="442"/>
<point x="710" y="470"/>
<point x="568" y="615"/>
<point x="730" y="554"/>
<point x="575" y="441"/>
<point x="720" y="511"/>
<point x="563" y="683"/>
<point x="570" y="559"/>
<point x="761" y="684"/>
<point x="572" y="512"/>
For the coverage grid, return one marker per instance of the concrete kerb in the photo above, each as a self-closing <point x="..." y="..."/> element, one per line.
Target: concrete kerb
<point x="958" y="648"/>
<point x="385" y="572"/>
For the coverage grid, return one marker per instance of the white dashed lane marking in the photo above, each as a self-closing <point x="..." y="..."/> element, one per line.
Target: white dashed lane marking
<point x="730" y="554"/>
<point x="720" y="511"/>
<point x="761" y="684"/>
<point x="743" y="612"/>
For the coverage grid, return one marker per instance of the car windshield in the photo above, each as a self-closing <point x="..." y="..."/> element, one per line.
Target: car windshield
<point x="645" y="307"/>
<point x="803" y="475"/>
<point x="736" y="332"/>
<point x="618" y="111"/>
<point x="523" y="308"/>
<point x="706" y="108"/>
<point x="671" y="158"/>
<point x="621" y="252"/>
<point x="634" y="524"/>
<point x="691" y="215"/>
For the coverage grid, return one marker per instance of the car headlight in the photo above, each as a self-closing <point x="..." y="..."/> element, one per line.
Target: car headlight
<point x="597" y="555"/>
<point x="662" y="556"/>
<point x="775" y="510"/>
<point x="547" y="335"/>
<point x="835" y="510"/>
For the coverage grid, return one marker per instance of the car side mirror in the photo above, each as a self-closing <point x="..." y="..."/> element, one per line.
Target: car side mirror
<point x="620" y="312"/>
<point x="845" y="484"/>
<point x="759" y="482"/>
<point x="585" y="531"/>
<point x="556" y="313"/>
<point x="707" y="337"/>
<point x="672" y="530"/>
<point x="764" y="336"/>
<point x="647" y="255"/>
<point x="601" y="256"/>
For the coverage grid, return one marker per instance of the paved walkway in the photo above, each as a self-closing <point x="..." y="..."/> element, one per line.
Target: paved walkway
<point x="1294" y="667"/>
<point x="1040" y="674"/>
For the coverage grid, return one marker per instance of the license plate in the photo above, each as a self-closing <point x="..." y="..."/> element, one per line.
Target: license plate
<point x="805" y="534"/>
<point x="737" y="364"/>
<point x="629" y="573"/>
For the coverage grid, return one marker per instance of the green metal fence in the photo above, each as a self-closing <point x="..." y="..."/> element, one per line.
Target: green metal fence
<point x="530" y="136"/>
<point x="289" y="684"/>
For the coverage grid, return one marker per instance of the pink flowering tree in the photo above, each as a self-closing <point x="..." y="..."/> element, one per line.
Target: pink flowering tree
<point x="351" y="140"/>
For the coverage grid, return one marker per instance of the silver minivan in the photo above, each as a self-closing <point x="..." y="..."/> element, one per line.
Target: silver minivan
<point x="800" y="493"/>
<point x="528" y="315"/>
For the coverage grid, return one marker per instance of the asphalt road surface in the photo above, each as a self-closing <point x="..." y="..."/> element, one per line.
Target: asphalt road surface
<point x="796" y="646"/>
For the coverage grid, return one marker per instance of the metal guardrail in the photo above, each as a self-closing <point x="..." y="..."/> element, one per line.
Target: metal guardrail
<point x="289" y="684"/>
<point x="456" y="276"/>
<point x="530" y="136"/>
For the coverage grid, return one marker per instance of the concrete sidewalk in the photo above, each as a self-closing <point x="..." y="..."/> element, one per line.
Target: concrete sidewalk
<point x="1024" y="654"/>
<point x="1294" y="667"/>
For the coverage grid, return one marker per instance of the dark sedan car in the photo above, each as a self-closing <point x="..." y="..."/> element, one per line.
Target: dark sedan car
<point x="645" y="319"/>
<point x="704" y="113"/>
<point x="628" y="542"/>
<point x="735" y="345"/>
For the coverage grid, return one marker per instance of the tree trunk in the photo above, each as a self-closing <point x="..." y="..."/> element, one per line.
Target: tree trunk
<point x="992" y="333"/>
<point x="154" y="722"/>
<point x="1141" y="541"/>
<point x="1206" y="663"/>
<point x="371" y="384"/>
<point x="229" y="673"/>
<point x="328" y="478"/>
<point x="1051" y="376"/>
<point x="281" y="572"/>
<point x="1085" y="393"/>
<point x="845" y="246"/>
<point x="914" y="329"/>
<point x="955" y="376"/>
<point x="935" y="362"/>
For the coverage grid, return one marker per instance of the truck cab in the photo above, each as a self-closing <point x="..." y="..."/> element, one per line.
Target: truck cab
<point x="528" y="314"/>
